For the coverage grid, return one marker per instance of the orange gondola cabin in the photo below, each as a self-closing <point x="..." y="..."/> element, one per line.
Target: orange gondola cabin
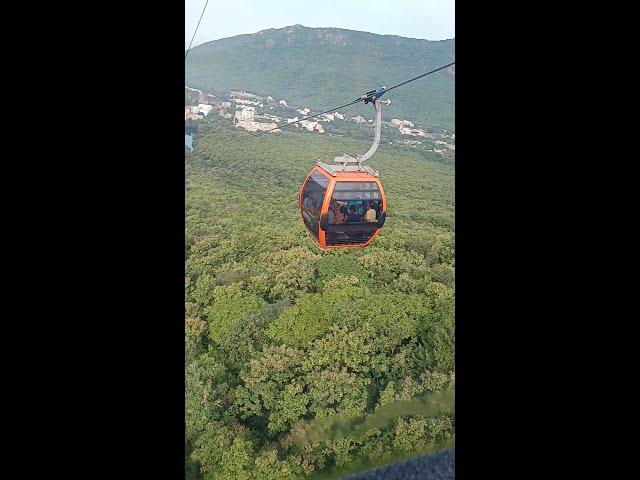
<point x="341" y="207"/>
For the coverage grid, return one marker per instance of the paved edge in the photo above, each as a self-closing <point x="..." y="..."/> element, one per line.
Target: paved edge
<point x="434" y="466"/>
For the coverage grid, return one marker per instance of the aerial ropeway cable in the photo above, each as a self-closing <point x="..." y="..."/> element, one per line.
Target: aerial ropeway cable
<point x="367" y="97"/>
<point x="196" y="30"/>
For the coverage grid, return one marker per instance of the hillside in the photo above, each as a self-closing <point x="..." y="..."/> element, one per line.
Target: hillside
<point x="325" y="67"/>
<point x="304" y="364"/>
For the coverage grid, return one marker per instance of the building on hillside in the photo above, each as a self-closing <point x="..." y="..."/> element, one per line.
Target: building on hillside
<point x="359" y="119"/>
<point x="244" y="101"/>
<point x="283" y="102"/>
<point x="303" y="111"/>
<point x="247" y="113"/>
<point x="270" y="99"/>
<point x="191" y="113"/>
<point x="244" y="94"/>
<point x="339" y="115"/>
<point x="268" y="116"/>
<point x="412" y="131"/>
<point x="401" y="123"/>
<point x="291" y="120"/>
<point x="251" y="126"/>
<point x="311" y="126"/>
<point x="204" y="108"/>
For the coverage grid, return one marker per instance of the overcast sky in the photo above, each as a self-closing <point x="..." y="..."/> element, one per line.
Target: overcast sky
<point x="428" y="19"/>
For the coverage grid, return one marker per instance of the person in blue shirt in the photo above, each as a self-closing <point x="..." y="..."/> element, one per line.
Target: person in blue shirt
<point x="354" y="216"/>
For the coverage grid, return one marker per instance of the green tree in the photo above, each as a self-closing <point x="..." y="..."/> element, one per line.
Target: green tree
<point x="206" y="394"/>
<point x="273" y="388"/>
<point x="231" y="303"/>
<point x="223" y="455"/>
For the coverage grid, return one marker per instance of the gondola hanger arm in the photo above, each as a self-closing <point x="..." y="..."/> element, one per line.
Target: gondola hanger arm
<point x="374" y="98"/>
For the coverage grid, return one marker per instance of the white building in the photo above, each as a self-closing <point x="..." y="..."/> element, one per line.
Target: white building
<point x="311" y="126"/>
<point x="359" y="119"/>
<point x="192" y="113"/>
<point x="247" y="113"/>
<point x="254" y="126"/>
<point x="283" y="102"/>
<point x="401" y="123"/>
<point x="412" y="131"/>
<point x="308" y="125"/>
<point x="242" y="101"/>
<point x="244" y="94"/>
<point x="339" y="115"/>
<point x="204" y="109"/>
<point x="303" y="111"/>
<point x="273" y="118"/>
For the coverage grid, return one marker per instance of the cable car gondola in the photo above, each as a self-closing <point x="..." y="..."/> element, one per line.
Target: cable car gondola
<point x="344" y="205"/>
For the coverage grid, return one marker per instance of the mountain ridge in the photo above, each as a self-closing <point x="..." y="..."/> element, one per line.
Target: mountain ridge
<point x="300" y="26"/>
<point x="326" y="66"/>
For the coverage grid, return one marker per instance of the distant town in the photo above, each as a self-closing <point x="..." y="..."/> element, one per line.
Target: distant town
<point x="253" y="113"/>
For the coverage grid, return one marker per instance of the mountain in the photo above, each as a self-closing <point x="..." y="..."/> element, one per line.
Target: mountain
<point x="322" y="68"/>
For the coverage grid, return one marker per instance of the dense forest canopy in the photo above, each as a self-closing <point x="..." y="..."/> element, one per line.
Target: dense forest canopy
<point x="324" y="67"/>
<point x="301" y="363"/>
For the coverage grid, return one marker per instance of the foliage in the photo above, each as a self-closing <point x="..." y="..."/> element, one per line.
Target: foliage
<point x="279" y="335"/>
<point x="230" y="304"/>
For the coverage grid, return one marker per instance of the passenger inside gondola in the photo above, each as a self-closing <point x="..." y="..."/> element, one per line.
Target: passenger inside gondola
<point x="353" y="213"/>
<point x="371" y="215"/>
<point x="354" y="216"/>
<point x="336" y="215"/>
<point x="312" y="197"/>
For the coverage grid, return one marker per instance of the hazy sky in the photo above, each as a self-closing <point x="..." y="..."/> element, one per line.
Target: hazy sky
<point x="428" y="19"/>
